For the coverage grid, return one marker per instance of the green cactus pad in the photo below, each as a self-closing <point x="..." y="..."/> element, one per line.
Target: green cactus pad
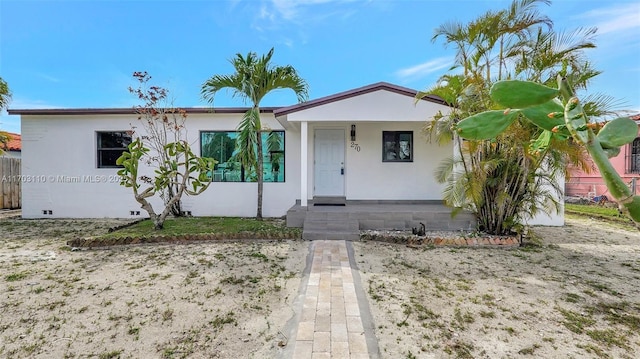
<point x="539" y="115"/>
<point x="542" y="142"/>
<point x="521" y="94"/>
<point x="618" y="133"/>
<point x="612" y="152"/>
<point x="485" y="125"/>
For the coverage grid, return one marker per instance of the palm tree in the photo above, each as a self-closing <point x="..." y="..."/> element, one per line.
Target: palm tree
<point x="501" y="180"/>
<point x="5" y="97"/>
<point x="253" y="79"/>
<point x="5" y="94"/>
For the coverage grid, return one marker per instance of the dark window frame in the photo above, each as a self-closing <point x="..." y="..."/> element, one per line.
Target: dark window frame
<point x="100" y="149"/>
<point x="391" y="148"/>
<point x="633" y="160"/>
<point x="243" y="175"/>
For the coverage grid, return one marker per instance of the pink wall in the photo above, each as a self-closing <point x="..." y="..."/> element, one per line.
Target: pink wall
<point x="592" y="184"/>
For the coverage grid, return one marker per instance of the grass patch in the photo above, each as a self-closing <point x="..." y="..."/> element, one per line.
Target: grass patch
<point x="193" y="228"/>
<point x="575" y="322"/>
<point x="219" y="321"/>
<point x="572" y="298"/>
<point x="203" y="225"/>
<point x="110" y="355"/>
<point x="15" y="277"/>
<point x="529" y="350"/>
<point x="619" y="313"/>
<point x="608" y="337"/>
<point x="600" y="212"/>
<point x="460" y="350"/>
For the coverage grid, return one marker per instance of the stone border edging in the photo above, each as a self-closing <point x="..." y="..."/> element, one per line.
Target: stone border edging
<point x="186" y="238"/>
<point x="480" y="241"/>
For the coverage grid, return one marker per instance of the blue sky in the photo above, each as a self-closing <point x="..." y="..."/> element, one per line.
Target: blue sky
<point x="77" y="54"/>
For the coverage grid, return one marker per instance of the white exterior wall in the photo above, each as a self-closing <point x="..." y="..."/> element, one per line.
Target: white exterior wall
<point x="371" y="107"/>
<point x="63" y="147"/>
<point x="56" y="148"/>
<point x="541" y="219"/>
<point x="551" y="219"/>
<point x="368" y="178"/>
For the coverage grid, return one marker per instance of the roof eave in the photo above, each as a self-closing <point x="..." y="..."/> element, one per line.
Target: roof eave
<point x="357" y="92"/>
<point x="129" y="111"/>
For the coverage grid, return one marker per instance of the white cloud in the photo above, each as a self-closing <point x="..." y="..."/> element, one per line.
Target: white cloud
<point x="47" y="77"/>
<point x="425" y="68"/>
<point x="24" y="103"/>
<point x="11" y="123"/>
<point x="616" y="18"/>
<point x="291" y="9"/>
<point x="274" y="15"/>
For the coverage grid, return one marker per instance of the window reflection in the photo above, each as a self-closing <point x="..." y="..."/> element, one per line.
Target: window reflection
<point x="221" y="145"/>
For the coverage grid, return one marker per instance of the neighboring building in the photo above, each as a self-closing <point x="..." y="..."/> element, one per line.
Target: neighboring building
<point x="627" y="164"/>
<point x="365" y="145"/>
<point x="13" y="148"/>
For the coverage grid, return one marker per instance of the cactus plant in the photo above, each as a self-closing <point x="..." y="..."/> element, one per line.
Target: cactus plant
<point x="560" y="113"/>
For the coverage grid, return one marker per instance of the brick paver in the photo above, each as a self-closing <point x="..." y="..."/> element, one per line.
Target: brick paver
<point x="330" y="324"/>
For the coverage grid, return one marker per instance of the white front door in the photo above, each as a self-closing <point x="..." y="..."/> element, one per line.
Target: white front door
<point x="329" y="163"/>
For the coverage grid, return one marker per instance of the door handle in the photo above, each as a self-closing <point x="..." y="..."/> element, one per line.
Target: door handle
<point x="342" y="171"/>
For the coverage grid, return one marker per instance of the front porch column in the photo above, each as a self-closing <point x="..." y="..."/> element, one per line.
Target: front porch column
<point x="304" y="145"/>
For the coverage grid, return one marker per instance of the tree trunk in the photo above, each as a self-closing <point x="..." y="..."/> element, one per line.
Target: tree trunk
<point x="260" y="173"/>
<point x="158" y="221"/>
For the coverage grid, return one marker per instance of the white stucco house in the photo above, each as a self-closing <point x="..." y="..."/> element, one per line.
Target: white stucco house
<point x="362" y="146"/>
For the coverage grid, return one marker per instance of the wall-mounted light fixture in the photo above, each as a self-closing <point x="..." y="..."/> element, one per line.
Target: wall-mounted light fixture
<point x="353" y="132"/>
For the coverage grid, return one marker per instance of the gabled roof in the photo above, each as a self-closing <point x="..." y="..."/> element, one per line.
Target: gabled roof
<point x="384" y="86"/>
<point x="14" y="144"/>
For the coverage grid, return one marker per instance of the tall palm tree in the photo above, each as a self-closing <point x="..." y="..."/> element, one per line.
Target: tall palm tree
<point x="253" y="79"/>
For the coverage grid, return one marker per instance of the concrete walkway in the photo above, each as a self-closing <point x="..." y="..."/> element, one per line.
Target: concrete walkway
<point x="334" y="321"/>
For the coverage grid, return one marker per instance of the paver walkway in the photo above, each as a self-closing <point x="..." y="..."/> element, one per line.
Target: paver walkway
<point x="330" y="324"/>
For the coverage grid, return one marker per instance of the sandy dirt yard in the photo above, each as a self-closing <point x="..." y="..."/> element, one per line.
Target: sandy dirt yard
<point x="577" y="295"/>
<point x="204" y="300"/>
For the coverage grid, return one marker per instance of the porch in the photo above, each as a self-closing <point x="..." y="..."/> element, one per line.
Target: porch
<point x="338" y="218"/>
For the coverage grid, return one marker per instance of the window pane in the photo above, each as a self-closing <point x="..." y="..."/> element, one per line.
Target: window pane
<point x="113" y="139"/>
<point x="397" y="146"/>
<point x="111" y="145"/>
<point x="635" y="156"/>
<point x="273" y="156"/>
<point x="221" y="145"/>
<point x="107" y="158"/>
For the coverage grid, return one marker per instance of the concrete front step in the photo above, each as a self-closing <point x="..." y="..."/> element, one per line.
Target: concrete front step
<point x="331" y="201"/>
<point x="315" y="235"/>
<point x="320" y="229"/>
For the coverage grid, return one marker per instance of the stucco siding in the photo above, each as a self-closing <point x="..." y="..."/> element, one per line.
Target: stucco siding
<point x="367" y="177"/>
<point x="61" y="175"/>
<point x="371" y="107"/>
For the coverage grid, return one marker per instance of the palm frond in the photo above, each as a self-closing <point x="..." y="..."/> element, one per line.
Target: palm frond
<point x="248" y="132"/>
<point x="601" y="106"/>
<point x="219" y="82"/>
<point x="5" y="94"/>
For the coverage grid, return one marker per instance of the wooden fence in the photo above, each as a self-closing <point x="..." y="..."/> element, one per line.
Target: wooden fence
<point x="10" y="181"/>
